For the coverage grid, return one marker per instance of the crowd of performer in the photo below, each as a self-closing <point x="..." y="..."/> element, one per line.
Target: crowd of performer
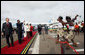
<point x="71" y="28"/>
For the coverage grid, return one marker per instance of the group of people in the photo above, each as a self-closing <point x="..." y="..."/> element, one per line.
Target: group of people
<point x="79" y="27"/>
<point x="7" y="31"/>
<point x="29" y="29"/>
<point x="7" y="28"/>
<point x="70" y="22"/>
<point x="42" y="27"/>
<point x="70" y="27"/>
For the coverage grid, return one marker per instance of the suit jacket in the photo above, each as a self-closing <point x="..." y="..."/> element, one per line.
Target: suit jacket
<point x="19" y="27"/>
<point x="7" y="30"/>
<point x="39" y="27"/>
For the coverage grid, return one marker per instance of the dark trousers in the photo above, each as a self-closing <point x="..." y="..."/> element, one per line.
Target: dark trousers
<point x="30" y="33"/>
<point x="39" y="31"/>
<point x="46" y="31"/>
<point x="82" y="29"/>
<point x="77" y="31"/>
<point x="7" y="39"/>
<point x="19" y="37"/>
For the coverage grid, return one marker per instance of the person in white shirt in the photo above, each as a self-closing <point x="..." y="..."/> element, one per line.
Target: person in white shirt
<point x="28" y="30"/>
<point x="60" y="25"/>
<point x="25" y="33"/>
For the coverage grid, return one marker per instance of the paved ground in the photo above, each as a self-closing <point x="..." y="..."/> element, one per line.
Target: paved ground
<point x="3" y="40"/>
<point x="79" y="39"/>
<point x="49" y="46"/>
<point x="46" y="45"/>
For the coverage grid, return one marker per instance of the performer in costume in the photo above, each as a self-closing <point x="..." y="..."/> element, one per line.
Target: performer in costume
<point x="69" y="35"/>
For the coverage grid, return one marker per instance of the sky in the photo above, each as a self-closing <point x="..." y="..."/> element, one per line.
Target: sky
<point x="40" y="11"/>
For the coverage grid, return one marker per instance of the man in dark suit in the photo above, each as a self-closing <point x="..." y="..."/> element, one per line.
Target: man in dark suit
<point x="46" y="29"/>
<point x="8" y="30"/>
<point x="39" y="29"/>
<point x="19" y="31"/>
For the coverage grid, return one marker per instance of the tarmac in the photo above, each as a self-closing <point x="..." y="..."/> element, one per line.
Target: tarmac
<point x="44" y="45"/>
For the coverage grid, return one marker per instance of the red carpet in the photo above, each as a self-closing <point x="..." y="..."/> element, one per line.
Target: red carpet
<point x="17" y="49"/>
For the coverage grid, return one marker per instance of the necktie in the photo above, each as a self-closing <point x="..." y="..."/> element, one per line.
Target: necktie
<point x="7" y="24"/>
